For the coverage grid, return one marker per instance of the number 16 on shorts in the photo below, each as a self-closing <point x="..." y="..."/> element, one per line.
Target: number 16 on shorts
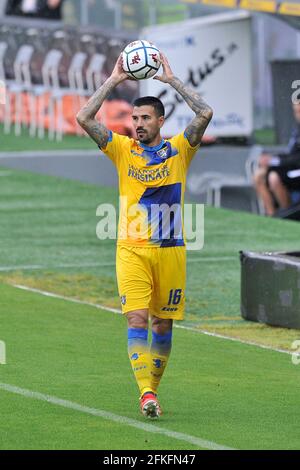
<point x="174" y="296"/>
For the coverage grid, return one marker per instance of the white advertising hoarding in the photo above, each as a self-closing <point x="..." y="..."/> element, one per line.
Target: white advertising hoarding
<point x="213" y="56"/>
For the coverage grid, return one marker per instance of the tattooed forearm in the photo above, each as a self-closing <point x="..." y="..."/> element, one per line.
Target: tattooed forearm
<point x="93" y="105"/>
<point x="86" y="116"/>
<point x="193" y="99"/>
<point x="197" y="127"/>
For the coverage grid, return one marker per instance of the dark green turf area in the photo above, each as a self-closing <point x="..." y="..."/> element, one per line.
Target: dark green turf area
<point x="228" y="393"/>
<point x="50" y="224"/>
<point x="10" y="142"/>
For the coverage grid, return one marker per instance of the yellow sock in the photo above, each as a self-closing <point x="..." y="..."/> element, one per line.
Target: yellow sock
<point x="140" y="358"/>
<point x="160" y="352"/>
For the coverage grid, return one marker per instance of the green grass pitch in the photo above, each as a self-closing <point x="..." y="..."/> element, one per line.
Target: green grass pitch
<point x="224" y="392"/>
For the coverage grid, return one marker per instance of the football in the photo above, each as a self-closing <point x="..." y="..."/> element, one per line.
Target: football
<point x="141" y="59"/>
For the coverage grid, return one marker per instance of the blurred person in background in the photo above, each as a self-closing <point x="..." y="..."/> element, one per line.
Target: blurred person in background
<point x="46" y="9"/>
<point x="278" y="176"/>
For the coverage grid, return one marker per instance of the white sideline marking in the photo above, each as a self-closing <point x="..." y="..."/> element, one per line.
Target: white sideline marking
<point x="237" y="340"/>
<point x="109" y="263"/>
<point x="212" y="258"/>
<point x="25" y="267"/>
<point x="197" y="441"/>
<point x="49" y="154"/>
<point x="70" y="299"/>
<point x="13" y="268"/>
<point x="118" y="311"/>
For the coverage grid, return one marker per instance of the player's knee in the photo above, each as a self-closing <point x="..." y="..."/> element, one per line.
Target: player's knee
<point x="137" y="319"/>
<point x="274" y="180"/>
<point x="161" y="326"/>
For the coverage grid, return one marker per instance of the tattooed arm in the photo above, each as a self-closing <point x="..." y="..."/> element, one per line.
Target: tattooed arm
<point x="86" y="116"/>
<point x="197" y="127"/>
<point x="195" y="130"/>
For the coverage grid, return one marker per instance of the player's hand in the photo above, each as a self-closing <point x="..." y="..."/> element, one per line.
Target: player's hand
<point x="167" y="75"/>
<point x="118" y="73"/>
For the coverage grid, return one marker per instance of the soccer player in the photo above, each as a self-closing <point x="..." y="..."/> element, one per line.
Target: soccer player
<point x="151" y="252"/>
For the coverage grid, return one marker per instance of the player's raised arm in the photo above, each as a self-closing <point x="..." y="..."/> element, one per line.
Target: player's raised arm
<point x="195" y="130"/>
<point x="86" y="116"/>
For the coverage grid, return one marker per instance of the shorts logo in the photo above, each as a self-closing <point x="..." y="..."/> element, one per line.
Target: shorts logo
<point x="169" y="309"/>
<point x="123" y="299"/>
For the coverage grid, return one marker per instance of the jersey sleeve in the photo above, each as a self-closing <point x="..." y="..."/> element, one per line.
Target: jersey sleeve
<point x="185" y="150"/>
<point x="116" y="146"/>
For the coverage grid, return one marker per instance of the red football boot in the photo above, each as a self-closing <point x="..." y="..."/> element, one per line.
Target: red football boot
<point x="150" y="406"/>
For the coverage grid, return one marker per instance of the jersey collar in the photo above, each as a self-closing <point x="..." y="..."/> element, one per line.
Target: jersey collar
<point x="152" y="149"/>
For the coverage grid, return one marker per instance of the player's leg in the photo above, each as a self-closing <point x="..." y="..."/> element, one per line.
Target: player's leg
<point x="167" y="304"/>
<point x="135" y="288"/>
<point x="263" y="190"/>
<point x="160" y="348"/>
<point x="139" y="349"/>
<point x="140" y="358"/>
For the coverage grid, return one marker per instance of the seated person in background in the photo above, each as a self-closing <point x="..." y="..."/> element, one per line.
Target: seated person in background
<point x="46" y="9"/>
<point x="278" y="175"/>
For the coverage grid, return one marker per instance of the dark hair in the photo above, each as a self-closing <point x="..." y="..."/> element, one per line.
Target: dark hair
<point x="151" y="101"/>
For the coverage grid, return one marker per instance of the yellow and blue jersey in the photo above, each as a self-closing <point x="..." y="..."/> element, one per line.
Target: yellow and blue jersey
<point x="151" y="185"/>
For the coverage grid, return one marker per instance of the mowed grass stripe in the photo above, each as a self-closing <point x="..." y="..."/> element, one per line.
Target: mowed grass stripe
<point x="54" y="225"/>
<point x="149" y="428"/>
<point x="143" y="425"/>
<point x="176" y="325"/>
<point x="218" y="391"/>
<point x="32" y="267"/>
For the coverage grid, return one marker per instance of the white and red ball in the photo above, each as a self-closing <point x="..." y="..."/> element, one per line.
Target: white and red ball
<point x="141" y="59"/>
